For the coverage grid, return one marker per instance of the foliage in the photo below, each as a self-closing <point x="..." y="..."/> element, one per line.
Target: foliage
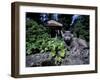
<point x="35" y="36"/>
<point x="57" y="49"/>
<point x="38" y="40"/>
<point x="66" y="21"/>
<point x="81" y="28"/>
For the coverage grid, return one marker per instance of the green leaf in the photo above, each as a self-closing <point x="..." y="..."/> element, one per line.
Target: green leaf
<point x="58" y="59"/>
<point x="46" y="49"/>
<point x="42" y="51"/>
<point x="62" y="54"/>
<point x="53" y="53"/>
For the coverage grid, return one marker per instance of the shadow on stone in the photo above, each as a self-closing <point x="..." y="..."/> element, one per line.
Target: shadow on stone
<point x="48" y="63"/>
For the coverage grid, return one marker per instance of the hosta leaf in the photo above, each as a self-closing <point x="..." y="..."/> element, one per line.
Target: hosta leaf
<point x="62" y="54"/>
<point x="53" y="53"/>
<point x="42" y="51"/>
<point x="58" y="58"/>
<point x="46" y="49"/>
<point x="29" y="51"/>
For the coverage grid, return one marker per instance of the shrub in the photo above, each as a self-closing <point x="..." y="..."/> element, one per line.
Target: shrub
<point x="38" y="40"/>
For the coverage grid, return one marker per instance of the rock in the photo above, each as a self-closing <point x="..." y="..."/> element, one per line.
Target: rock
<point x="77" y="54"/>
<point x="48" y="63"/>
<point x="85" y="56"/>
<point x="75" y="59"/>
<point x="82" y="42"/>
<point x="37" y="59"/>
<point x="45" y="59"/>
